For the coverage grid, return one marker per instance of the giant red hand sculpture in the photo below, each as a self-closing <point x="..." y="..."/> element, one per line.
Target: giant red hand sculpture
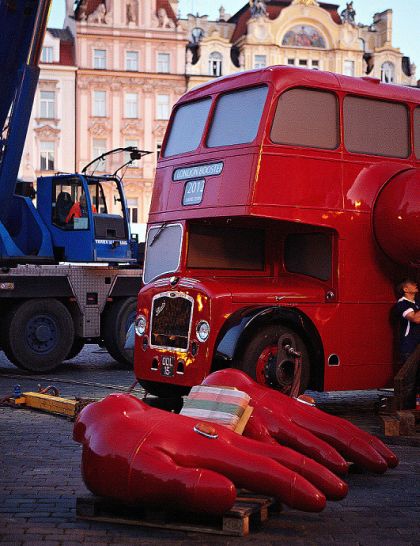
<point x="141" y="455"/>
<point x="328" y="439"/>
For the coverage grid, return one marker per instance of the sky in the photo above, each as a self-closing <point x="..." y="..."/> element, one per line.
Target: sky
<point x="406" y="18"/>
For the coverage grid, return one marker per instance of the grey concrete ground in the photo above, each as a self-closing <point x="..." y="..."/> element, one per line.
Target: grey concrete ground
<point x="40" y="476"/>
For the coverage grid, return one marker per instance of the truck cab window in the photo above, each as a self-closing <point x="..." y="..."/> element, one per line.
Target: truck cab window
<point x="69" y="207"/>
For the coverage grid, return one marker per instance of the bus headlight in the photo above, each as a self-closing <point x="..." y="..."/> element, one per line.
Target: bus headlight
<point x="203" y="330"/>
<point x="140" y="325"/>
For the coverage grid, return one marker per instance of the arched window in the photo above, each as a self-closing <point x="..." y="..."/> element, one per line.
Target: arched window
<point x="215" y="64"/>
<point x="387" y="72"/>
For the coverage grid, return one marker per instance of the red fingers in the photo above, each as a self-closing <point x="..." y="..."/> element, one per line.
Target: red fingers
<point x="333" y="487"/>
<point x="307" y="429"/>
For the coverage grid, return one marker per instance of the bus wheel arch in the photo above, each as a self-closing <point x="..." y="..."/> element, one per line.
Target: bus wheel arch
<point x="246" y="332"/>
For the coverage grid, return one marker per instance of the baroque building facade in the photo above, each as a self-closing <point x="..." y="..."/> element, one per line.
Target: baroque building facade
<point x="135" y="58"/>
<point x="51" y="140"/>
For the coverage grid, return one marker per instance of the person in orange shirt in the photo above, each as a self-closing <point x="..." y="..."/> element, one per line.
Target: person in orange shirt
<point x="79" y="209"/>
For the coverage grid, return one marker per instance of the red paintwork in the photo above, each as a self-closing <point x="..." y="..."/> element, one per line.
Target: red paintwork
<point x="370" y="204"/>
<point x="277" y="417"/>
<point x="141" y="455"/>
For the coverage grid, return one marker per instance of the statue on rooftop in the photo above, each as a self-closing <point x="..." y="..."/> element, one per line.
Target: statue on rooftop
<point x="348" y="15"/>
<point x="258" y="8"/>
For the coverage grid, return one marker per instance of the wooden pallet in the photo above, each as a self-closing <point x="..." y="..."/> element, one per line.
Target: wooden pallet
<point x="401" y="423"/>
<point x="248" y="513"/>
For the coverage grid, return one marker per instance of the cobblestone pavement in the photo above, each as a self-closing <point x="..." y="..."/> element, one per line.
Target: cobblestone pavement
<point x="40" y="476"/>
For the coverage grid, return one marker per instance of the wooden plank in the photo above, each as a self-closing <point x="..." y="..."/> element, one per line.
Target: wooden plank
<point x="244" y="420"/>
<point x="407" y="423"/>
<point x="53" y="404"/>
<point x="247" y="513"/>
<point x="391" y="425"/>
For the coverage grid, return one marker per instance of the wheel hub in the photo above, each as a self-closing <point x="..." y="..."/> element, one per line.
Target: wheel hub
<point x="41" y="334"/>
<point x="276" y="370"/>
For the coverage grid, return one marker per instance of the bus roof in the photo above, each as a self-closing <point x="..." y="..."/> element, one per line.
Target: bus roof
<point x="283" y="77"/>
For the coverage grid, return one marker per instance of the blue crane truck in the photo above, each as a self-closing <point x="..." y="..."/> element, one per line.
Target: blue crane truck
<point x="67" y="276"/>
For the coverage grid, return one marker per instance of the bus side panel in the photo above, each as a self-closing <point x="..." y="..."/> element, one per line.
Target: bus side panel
<point x="297" y="177"/>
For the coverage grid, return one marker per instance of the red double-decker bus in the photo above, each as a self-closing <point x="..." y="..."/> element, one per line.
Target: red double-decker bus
<point x="285" y="208"/>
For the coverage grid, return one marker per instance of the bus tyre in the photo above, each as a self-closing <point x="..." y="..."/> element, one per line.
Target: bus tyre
<point x="76" y="348"/>
<point x="259" y="359"/>
<point x="117" y="321"/>
<point x="39" y="334"/>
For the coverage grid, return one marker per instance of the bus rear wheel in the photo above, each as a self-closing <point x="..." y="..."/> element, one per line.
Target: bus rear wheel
<point x="260" y="360"/>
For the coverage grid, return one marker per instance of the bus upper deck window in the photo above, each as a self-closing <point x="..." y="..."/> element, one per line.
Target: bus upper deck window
<point x="305" y="117"/>
<point x="237" y="117"/>
<point x="417" y="132"/>
<point x="375" y="127"/>
<point x="187" y="127"/>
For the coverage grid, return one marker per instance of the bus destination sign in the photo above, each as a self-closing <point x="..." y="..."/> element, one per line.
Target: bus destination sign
<point x="197" y="171"/>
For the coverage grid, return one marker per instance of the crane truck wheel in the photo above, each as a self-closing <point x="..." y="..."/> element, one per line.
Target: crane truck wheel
<point x="75" y="349"/>
<point x="117" y="321"/>
<point x="39" y="334"/>
<point x="260" y="360"/>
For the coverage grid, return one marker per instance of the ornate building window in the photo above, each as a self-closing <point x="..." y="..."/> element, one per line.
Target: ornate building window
<point x="303" y="36"/>
<point x="163" y="62"/>
<point x="47" y="54"/>
<point x="47" y="104"/>
<point x="348" y="68"/>
<point x="215" y="64"/>
<point x="99" y="59"/>
<point x="387" y="72"/>
<point x="46" y="156"/>
<point x="132" y="61"/>
<point x="260" y="61"/>
<point x="99" y="148"/>
<point x="131" y="107"/>
<point x="162" y="107"/>
<point x="133" y="209"/>
<point x="99" y="103"/>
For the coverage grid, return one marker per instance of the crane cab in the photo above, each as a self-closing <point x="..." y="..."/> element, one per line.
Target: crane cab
<point x="86" y="217"/>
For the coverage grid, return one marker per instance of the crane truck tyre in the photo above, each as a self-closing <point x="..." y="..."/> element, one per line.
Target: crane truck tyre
<point x="39" y="334"/>
<point x="396" y="219"/>
<point x="76" y="347"/>
<point x="117" y="321"/>
<point x="260" y="359"/>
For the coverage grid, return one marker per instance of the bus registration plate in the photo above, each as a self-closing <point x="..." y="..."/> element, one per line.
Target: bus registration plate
<point x="193" y="192"/>
<point x="167" y="368"/>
